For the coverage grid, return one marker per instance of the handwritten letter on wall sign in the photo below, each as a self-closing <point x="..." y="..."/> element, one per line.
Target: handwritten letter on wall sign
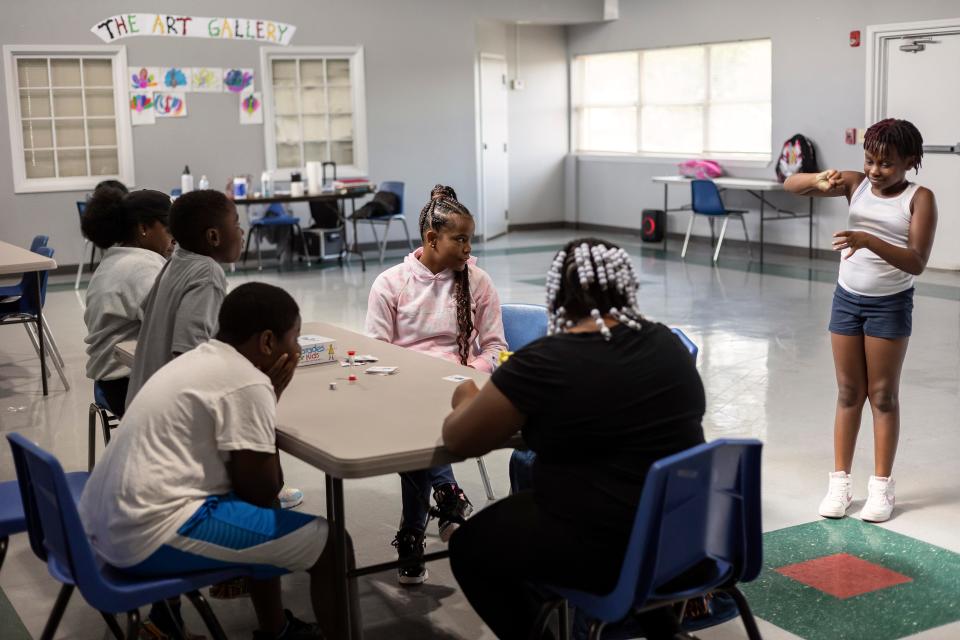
<point x="175" y="26"/>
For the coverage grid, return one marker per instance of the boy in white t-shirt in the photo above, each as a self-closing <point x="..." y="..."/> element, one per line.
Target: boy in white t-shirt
<point x="190" y="480"/>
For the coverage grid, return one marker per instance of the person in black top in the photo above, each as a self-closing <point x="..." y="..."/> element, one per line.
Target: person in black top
<point x="601" y="398"/>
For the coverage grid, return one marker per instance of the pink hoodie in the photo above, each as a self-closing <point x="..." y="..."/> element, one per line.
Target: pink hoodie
<point x="411" y="307"/>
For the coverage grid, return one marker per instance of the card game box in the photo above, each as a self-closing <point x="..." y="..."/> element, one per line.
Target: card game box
<point x="316" y="349"/>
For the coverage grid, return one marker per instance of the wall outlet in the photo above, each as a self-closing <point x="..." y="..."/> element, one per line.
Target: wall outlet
<point x="517" y="85"/>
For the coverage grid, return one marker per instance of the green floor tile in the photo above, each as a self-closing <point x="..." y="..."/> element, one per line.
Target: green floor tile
<point x="929" y="600"/>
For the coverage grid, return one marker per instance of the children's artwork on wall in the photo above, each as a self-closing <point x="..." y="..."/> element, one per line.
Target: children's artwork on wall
<point x="143" y="78"/>
<point x="175" y="79"/>
<point x="125" y="25"/>
<point x="238" y="80"/>
<point x="206" y="79"/>
<point x="251" y="108"/>
<point x="141" y="108"/>
<point x="170" y="104"/>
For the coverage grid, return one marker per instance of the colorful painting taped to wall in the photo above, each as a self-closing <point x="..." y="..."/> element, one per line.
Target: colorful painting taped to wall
<point x="175" y="78"/>
<point x="238" y="80"/>
<point x="141" y="108"/>
<point x="142" y="78"/>
<point x="206" y="79"/>
<point x="171" y="104"/>
<point x="251" y="108"/>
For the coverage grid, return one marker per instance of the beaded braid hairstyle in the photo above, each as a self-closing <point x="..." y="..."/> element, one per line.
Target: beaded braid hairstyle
<point x="436" y="215"/>
<point x="901" y="135"/>
<point x="587" y="276"/>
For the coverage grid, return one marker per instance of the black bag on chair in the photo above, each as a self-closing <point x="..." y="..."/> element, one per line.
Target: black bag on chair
<point x="325" y="214"/>
<point x="384" y="203"/>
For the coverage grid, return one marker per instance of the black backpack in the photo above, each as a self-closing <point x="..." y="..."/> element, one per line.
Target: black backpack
<point x="797" y="155"/>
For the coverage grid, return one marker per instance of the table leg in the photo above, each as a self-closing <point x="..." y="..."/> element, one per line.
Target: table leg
<point x="666" y="216"/>
<point x="39" y="307"/>
<point x="762" y="202"/>
<point x="337" y="523"/>
<point x="810" y="233"/>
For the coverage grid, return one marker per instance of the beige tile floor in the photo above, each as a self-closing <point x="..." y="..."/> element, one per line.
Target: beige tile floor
<point x="766" y="363"/>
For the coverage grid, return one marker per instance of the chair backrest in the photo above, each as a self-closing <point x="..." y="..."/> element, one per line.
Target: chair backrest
<point x="523" y="323"/>
<point x="687" y="342"/>
<point x="39" y="241"/>
<point x="53" y="523"/>
<point x="698" y="506"/>
<point x="706" y="198"/>
<point x="81" y="207"/>
<point x="395" y="187"/>
<point x="27" y="302"/>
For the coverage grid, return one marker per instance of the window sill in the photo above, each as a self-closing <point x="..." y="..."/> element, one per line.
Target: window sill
<point x="758" y="163"/>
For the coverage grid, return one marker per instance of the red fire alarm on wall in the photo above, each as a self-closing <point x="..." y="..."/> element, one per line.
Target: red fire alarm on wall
<point x="854" y="38"/>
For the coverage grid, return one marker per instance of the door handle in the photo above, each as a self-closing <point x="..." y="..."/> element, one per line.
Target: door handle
<point x="950" y="149"/>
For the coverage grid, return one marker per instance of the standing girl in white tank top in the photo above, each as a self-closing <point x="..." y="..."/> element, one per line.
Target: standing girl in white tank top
<point x="891" y="230"/>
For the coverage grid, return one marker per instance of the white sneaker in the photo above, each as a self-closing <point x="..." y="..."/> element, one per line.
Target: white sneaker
<point x="880" y="500"/>
<point x="839" y="496"/>
<point x="290" y="497"/>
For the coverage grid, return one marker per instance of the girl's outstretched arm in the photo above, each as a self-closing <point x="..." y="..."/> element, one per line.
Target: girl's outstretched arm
<point x="826" y="184"/>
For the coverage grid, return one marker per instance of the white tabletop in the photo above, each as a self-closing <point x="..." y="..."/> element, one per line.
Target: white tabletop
<point x="14" y="259"/>
<point x="374" y="426"/>
<point x="727" y="182"/>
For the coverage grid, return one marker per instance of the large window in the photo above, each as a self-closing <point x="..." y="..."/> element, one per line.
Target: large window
<point x="707" y="100"/>
<point x="69" y="127"/>
<point x="314" y="107"/>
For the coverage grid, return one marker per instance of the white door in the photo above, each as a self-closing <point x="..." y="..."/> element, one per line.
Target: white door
<point x="921" y="86"/>
<point x="493" y="144"/>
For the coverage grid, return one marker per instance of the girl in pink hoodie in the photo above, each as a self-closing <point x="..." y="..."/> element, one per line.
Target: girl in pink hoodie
<point x="440" y="303"/>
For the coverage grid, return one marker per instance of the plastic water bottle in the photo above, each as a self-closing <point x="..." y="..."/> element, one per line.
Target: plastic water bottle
<point x="186" y="181"/>
<point x="204" y="183"/>
<point x="266" y="184"/>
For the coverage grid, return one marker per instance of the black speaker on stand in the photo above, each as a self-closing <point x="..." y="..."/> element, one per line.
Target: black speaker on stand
<point x="653" y="225"/>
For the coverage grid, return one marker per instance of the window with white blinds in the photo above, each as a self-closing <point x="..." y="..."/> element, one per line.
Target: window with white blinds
<point x="314" y="108"/>
<point x="700" y="101"/>
<point x="68" y="122"/>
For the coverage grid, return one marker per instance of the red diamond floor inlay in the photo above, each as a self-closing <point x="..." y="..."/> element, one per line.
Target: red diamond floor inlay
<point x="843" y="575"/>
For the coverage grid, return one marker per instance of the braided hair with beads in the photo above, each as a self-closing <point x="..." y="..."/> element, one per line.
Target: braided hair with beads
<point x="892" y="133"/>
<point x="435" y="215"/>
<point x="592" y="278"/>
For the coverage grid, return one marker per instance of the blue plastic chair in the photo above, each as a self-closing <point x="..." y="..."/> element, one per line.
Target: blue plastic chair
<point x="274" y="216"/>
<point x="99" y="410"/>
<point x="23" y="310"/>
<point x="687" y="342"/>
<point x="57" y="537"/>
<point x="523" y="323"/>
<point x="397" y="188"/>
<point x="697" y="530"/>
<point x="706" y="201"/>
<point x="14" y="290"/>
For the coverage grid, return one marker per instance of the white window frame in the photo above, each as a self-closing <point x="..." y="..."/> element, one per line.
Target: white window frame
<point x="743" y="159"/>
<point x="358" y="91"/>
<point x="118" y="55"/>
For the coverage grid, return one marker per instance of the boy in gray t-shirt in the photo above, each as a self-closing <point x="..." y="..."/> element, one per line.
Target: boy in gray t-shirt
<point x="180" y="312"/>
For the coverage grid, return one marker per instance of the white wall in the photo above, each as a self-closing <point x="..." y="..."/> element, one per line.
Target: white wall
<point x="818" y="90"/>
<point x="419" y="57"/>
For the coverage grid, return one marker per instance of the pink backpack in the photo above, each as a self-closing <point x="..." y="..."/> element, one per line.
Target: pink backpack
<point x="700" y="169"/>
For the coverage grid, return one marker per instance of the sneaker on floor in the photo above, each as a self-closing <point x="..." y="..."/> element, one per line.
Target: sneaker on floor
<point x="290" y="497"/>
<point x="880" y="500"/>
<point x="409" y="543"/>
<point x="159" y="625"/>
<point x="839" y="496"/>
<point x="453" y="509"/>
<point x="296" y="630"/>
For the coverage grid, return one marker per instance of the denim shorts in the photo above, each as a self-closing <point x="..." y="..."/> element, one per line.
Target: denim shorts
<point x="874" y="316"/>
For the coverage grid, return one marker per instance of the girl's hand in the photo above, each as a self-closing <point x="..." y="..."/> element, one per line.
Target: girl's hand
<point x="465" y="391"/>
<point x="281" y="373"/>
<point x="852" y="240"/>
<point x="829" y="180"/>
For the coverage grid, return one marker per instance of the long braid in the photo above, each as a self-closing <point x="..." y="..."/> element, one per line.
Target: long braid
<point x="434" y="216"/>
<point x="901" y="135"/>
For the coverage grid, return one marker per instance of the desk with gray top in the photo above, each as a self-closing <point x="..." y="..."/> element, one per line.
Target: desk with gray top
<point x="14" y="259"/>
<point x="377" y="425"/>
<point x="755" y="187"/>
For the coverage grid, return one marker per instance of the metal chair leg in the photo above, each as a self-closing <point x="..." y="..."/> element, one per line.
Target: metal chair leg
<point x="723" y="232"/>
<point x="48" y="336"/>
<point x="564" y="610"/>
<point x="112" y="625"/>
<point x="83" y="250"/>
<point x="106" y="424"/>
<point x="63" y="598"/>
<point x="259" y="254"/>
<point x="596" y="629"/>
<point x="4" y="543"/>
<point x="746" y="236"/>
<point x="485" y="477"/>
<point x="303" y="244"/>
<point x="55" y="358"/>
<point x="376" y="238"/>
<point x="33" y="341"/>
<point x="746" y="615"/>
<point x="386" y="235"/>
<point x="209" y="619"/>
<point x="686" y="240"/>
<point x="92" y="435"/>
<point x="246" y="249"/>
<point x="133" y="624"/>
